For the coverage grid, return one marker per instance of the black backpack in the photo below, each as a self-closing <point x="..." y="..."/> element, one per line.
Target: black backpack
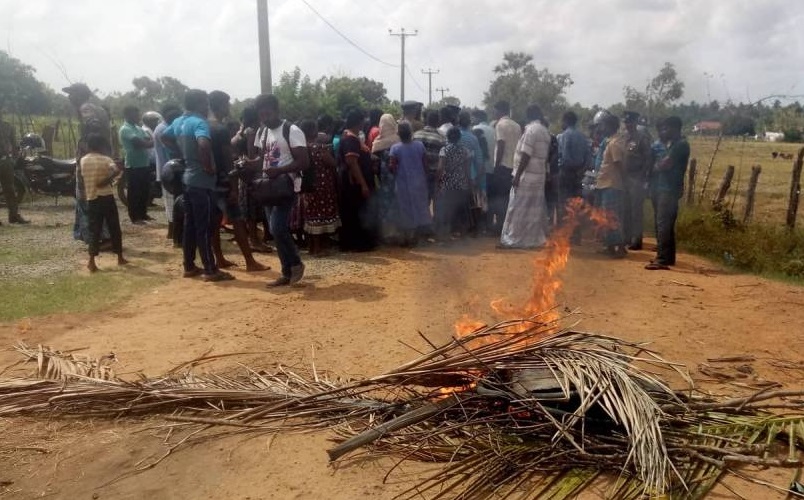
<point x="308" y="175"/>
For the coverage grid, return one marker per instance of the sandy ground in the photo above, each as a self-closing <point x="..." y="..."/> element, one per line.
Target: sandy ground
<point x="352" y="316"/>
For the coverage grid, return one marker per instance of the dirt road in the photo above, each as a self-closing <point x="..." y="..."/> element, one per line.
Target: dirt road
<point x="352" y="316"/>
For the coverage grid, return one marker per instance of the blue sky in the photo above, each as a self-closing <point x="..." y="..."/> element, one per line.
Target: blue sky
<point x="750" y="49"/>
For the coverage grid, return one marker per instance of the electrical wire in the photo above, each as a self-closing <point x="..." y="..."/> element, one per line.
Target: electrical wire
<point x="349" y="40"/>
<point x="410" y="74"/>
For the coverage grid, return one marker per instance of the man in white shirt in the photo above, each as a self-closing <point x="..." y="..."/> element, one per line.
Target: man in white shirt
<point x="283" y="148"/>
<point x="507" y="134"/>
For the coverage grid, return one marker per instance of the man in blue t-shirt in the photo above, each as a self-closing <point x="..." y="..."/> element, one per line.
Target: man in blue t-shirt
<point x="189" y="136"/>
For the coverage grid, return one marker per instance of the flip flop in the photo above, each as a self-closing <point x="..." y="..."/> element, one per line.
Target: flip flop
<point x="217" y="277"/>
<point x="655" y="266"/>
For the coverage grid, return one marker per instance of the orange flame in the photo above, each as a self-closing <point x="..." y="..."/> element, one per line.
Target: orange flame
<point x="546" y="277"/>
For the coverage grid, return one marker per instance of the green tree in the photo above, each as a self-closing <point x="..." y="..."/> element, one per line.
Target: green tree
<point x="663" y="90"/>
<point x="519" y="82"/>
<point x="20" y="91"/>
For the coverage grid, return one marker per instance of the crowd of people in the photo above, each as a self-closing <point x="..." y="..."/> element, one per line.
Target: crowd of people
<point x="365" y="180"/>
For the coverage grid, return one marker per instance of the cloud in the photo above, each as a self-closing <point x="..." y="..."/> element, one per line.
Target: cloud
<point x="604" y="44"/>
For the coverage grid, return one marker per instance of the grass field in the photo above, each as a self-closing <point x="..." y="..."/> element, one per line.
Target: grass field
<point x="774" y="181"/>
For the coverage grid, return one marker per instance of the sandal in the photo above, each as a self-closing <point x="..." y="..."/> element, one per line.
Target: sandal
<point x="217" y="277"/>
<point x="655" y="266"/>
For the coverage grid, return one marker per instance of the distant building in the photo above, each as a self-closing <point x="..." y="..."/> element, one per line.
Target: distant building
<point x="707" y="128"/>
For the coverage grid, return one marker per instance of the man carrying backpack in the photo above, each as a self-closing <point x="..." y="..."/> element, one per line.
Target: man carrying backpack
<point x="284" y="156"/>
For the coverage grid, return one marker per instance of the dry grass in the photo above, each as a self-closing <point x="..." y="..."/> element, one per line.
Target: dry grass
<point x="774" y="182"/>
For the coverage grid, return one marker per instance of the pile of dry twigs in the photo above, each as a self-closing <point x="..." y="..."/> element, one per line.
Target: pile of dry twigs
<point x="540" y="413"/>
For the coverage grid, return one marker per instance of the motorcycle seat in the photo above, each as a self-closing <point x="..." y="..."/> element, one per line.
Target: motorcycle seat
<point x="58" y="163"/>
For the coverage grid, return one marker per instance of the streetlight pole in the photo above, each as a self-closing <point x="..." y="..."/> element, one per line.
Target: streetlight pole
<point x="430" y="72"/>
<point x="266" y="83"/>
<point x="402" y="34"/>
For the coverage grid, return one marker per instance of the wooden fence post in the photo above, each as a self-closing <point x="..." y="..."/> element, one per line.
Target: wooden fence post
<point x="751" y="193"/>
<point x="709" y="169"/>
<point x="795" y="191"/>
<point x="723" y="189"/>
<point x="691" y="171"/>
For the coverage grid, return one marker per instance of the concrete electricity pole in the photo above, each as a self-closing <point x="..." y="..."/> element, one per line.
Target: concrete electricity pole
<point x="402" y="36"/>
<point x="430" y="72"/>
<point x="443" y="91"/>
<point x="266" y="83"/>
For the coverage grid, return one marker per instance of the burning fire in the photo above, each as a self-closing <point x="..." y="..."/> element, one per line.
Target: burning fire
<point x="546" y="274"/>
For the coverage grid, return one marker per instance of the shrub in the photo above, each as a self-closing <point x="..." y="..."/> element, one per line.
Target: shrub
<point x="755" y="248"/>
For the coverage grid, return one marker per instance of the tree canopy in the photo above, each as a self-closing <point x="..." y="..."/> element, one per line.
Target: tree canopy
<point x="20" y="91"/>
<point x="520" y="83"/>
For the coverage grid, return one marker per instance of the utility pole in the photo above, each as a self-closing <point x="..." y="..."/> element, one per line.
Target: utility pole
<point x="266" y="83"/>
<point x="443" y="91"/>
<point x="402" y="34"/>
<point x="430" y="72"/>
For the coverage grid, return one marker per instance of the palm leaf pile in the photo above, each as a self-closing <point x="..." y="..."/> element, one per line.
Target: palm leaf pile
<point x="518" y="410"/>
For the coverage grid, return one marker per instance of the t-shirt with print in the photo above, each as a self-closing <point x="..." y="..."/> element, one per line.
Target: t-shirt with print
<point x="187" y="130"/>
<point x="276" y="152"/>
<point x="508" y="131"/>
<point x="136" y="157"/>
<point x="456" y="158"/>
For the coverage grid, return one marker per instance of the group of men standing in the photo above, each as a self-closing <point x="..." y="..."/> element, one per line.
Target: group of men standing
<point x="535" y="175"/>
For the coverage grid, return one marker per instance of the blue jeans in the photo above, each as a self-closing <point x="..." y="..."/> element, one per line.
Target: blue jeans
<point x="279" y="221"/>
<point x="612" y="200"/>
<point x="198" y="228"/>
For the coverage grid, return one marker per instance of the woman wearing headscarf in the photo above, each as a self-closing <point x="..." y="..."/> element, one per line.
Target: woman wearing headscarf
<point x="386" y="199"/>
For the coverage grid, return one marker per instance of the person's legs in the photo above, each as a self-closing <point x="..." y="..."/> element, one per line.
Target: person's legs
<point x="202" y="215"/>
<point x="635" y="211"/>
<point x="612" y="202"/>
<point x="95" y="219"/>
<point x="215" y="231"/>
<point x="111" y="219"/>
<point x="189" y="243"/>
<point x="285" y="246"/>
<point x="144" y="192"/>
<point x="666" y="214"/>
<point x="9" y="192"/>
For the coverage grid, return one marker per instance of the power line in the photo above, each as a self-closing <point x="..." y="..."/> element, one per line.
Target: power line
<point x="407" y="68"/>
<point x="349" y="40"/>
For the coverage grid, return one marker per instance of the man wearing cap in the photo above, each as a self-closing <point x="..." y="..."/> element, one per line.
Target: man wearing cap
<point x="92" y="119"/>
<point x="637" y="163"/>
<point x="412" y="113"/>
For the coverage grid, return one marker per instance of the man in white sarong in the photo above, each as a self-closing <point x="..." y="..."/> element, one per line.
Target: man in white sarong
<point x="526" y="219"/>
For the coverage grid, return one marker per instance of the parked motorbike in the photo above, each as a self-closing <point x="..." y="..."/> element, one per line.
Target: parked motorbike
<point x="44" y="174"/>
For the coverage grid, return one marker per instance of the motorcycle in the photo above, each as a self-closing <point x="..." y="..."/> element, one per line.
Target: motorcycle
<point x="43" y="174"/>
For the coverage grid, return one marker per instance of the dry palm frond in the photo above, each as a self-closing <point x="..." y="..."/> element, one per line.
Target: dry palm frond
<point x="56" y="365"/>
<point x="539" y="413"/>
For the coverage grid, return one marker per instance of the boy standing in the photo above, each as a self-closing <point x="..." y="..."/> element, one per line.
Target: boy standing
<point x="98" y="172"/>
